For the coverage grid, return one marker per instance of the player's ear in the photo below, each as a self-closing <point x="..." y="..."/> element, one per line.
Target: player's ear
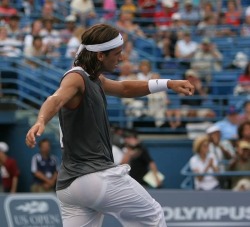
<point x="100" y="56"/>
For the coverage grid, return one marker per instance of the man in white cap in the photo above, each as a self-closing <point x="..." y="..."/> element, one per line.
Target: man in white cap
<point x="9" y="170"/>
<point x="223" y="150"/>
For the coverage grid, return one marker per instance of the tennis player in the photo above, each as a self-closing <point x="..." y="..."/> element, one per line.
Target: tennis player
<point x="89" y="184"/>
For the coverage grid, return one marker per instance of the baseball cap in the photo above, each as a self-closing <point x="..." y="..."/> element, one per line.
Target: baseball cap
<point x="70" y="18"/>
<point x="244" y="145"/>
<point x="4" y="147"/>
<point x="168" y="3"/>
<point x="232" y="110"/>
<point x="176" y="16"/>
<point x="206" y="40"/>
<point x="191" y="72"/>
<point x="188" y="2"/>
<point x="213" y="128"/>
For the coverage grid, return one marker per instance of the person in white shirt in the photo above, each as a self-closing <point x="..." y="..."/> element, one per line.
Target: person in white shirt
<point x="222" y="149"/>
<point x="185" y="47"/>
<point x="204" y="162"/>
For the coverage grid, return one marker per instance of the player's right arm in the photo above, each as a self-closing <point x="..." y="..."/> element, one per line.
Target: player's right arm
<point x="68" y="94"/>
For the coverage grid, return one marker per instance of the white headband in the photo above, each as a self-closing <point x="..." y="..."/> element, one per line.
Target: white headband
<point x="116" y="42"/>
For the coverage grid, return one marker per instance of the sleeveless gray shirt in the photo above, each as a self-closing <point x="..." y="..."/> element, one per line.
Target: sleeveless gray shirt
<point x="85" y="134"/>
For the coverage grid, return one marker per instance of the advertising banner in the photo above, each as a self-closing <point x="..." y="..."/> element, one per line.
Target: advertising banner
<point x="29" y="210"/>
<point x="201" y="209"/>
<point x="181" y="209"/>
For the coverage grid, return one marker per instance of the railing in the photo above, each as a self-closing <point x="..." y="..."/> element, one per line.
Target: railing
<point x="188" y="182"/>
<point x="31" y="86"/>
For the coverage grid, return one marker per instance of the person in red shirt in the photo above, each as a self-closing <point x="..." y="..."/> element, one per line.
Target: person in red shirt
<point x="6" y="10"/>
<point x="9" y="170"/>
<point x="233" y="13"/>
<point x="162" y="17"/>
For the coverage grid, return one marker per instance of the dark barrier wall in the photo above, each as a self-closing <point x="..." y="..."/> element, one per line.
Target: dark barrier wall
<point x="169" y="155"/>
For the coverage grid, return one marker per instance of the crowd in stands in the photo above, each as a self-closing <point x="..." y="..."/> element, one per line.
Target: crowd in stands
<point x="203" y="41"/>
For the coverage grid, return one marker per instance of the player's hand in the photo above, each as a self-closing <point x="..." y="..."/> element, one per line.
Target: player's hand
<point x="181" y="86"/>
<point x="36" y="130"/>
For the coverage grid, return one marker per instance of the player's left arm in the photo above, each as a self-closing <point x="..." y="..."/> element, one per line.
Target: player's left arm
<point x="137" y="88"/>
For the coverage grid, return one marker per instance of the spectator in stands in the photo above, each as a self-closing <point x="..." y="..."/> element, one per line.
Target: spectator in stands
<point x="28" y="6"/>
<point x="245" y="115"/>
<point x="109" y="7"/>
<point x="51" y="37"/>
<point x="157" y="105"/>
<point x="134" y="107"/>
<point x="233" y="12"/>
<point x="245" y="28"/>
<point x="244" y="130"/>
<point x="68" y="31"/>
<point x="130" y="54"/>
<point x="243" y="86"/>
<point x="147" y="9"/>
<point x="207" y="27"/>
<point x="207" y="9"/>
<point x="165" y="40"/>
<point x="13" y="28"/>
<point x="189" y="14"/>
<point x="117" y="134"/>
<point x="44" y="168"/>
<point x="225" y="29"/>
<point x="177" y="25"/>
<point x="185" y="48"/>
<point x="48" y="10"/>
<point x="145" y="70"/>
<point x="206" y="59"/>
<point x="125" y="23"/>
<point x="35" y="30"/>
<point x="173" y="117"/>
<point x="240" y="61"/>
<point x="194" y="107"/>
<point x="74" y="42"/>
<point x="129" y="6"/>
<point x="37" y="50"/>
<point x="9" y="170"/>
<point x="240" y="163"/>
<point x="139" y="159"/>
<point x="222" y="149"/>
<point x="9" y="47"/>
<point x="6" y="10"/>
<point x="204" y="162"/>
<point x="84" y="10"/>
<point x="229" y="125"/>
<point x="162" y="16"/>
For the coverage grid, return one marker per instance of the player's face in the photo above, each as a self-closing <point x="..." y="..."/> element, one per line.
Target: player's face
<point x="112" y="59"/>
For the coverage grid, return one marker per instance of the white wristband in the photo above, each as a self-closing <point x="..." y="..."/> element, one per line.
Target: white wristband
<point x="157" y="85"/>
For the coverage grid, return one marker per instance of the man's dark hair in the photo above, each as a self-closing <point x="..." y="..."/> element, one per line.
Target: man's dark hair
<point x="241" y="128"/>
<point x="97" y="34"/>
<point x="43" y="141"/>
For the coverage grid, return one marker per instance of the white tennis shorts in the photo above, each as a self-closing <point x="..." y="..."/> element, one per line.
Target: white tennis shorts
<point x="112" y="192"/>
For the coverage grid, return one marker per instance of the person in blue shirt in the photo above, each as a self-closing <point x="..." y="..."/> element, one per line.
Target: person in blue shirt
<point x="229" y="125"/>
<point x="44" y="168"/>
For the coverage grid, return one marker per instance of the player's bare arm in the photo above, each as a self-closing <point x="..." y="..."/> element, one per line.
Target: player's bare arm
<point x="68" y="94"/>
<point x="138" y="88"/>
